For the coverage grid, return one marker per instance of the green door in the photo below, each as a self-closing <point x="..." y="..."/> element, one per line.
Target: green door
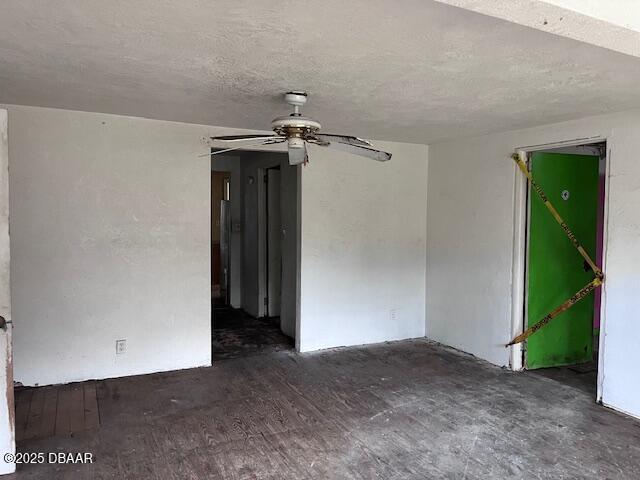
<point x="556" y="270"/>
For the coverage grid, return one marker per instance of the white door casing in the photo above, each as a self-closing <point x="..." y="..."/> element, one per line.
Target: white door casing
<point x="7" y="416"/>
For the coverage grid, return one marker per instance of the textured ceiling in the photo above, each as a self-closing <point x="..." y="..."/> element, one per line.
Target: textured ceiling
<point x="408" y="70"/>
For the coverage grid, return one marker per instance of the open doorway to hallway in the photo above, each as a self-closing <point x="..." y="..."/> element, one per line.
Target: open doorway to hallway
<point x="573" y="179"/>
<point x="254" y="253"/>
<point x="220" y="237"/>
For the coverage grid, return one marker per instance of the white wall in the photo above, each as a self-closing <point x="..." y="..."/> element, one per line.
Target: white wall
<point x="363" y="247"/>
<point x="470" y="222"/>
<point x="110" y="227"/>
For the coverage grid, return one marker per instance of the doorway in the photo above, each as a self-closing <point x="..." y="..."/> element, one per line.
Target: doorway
<point x="573" y="178"/>
<point x="260" y="216"/>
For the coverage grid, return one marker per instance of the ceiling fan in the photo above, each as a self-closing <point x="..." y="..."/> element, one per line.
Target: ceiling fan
<point x="298" y="130"/>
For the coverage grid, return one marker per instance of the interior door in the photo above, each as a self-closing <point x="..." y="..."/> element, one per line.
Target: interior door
<point x="7" y="417"/>
<point x="274" y="247"/>
<point x="556" y="270"/>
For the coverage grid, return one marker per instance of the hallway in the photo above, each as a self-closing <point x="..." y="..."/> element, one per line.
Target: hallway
<point x="237" y="334"/>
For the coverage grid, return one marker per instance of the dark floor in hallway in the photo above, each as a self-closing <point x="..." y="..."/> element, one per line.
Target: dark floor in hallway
<point x="405" y="410"/>
<point x="583" y="377"/>
<point x="237" y="334"/>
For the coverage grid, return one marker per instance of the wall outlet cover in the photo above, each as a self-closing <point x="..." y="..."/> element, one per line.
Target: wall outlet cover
<point x="121" y="347"/>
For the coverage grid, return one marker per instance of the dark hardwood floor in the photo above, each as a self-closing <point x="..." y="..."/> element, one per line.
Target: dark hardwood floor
<point x="56" y="410"/>
<point x="583" y="376"/>
<point x="404" y="410"/>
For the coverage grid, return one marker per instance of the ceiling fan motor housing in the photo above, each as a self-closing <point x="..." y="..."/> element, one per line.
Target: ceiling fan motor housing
<point x="294" y="126"/>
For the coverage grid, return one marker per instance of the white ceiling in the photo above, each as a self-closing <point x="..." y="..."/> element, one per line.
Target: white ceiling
<point x="408" y="70"/>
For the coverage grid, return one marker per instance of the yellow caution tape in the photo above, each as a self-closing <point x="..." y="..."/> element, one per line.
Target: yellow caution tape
<point x="583" y="292"/>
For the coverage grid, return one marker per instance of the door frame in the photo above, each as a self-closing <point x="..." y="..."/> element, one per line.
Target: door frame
<point x="7" y="404"/>
<point x="520" y="245"/>
<point x="268" y="247"/>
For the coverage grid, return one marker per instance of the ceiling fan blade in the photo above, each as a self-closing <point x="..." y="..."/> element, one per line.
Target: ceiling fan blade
<point x="298" y="155"/>
<point x="329" y="137"/>
<point x="262" y="142"/>
<point x="363" y="151"/>
<point x="242" y="138"/>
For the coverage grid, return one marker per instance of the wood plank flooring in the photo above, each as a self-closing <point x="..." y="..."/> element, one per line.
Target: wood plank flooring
<point x="57" y="410"/>
<point x="404" y="410"/>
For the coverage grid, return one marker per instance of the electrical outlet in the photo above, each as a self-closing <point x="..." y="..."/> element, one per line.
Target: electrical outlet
<point x="121" y="347"/>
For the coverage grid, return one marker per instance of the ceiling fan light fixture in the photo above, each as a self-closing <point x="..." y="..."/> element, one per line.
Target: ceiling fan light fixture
<point x="297" y="151"/>
<point x="295" y="142"/>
